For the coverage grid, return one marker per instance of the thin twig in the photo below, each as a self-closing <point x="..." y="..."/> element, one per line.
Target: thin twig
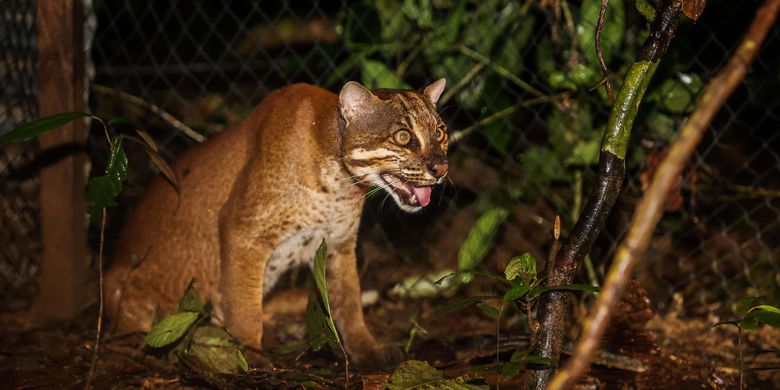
<point x="461" y="83"/>
<point x="346" y="366"/>
<point x="164" y="115"/>
<point x="741" y="359"/>
<point x="400" y="71"/>
<point x="459" y="135"/>
<point x="649" y="211"/>
<point x="498" y="343"/>
<point x="463" y="133"/>
<point x="93" y="364"/>
<point x="600" y="53"/>
<point x="502" y="71"/>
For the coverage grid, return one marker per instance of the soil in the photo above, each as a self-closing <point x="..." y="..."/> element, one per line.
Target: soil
<point x="642" y="350"/>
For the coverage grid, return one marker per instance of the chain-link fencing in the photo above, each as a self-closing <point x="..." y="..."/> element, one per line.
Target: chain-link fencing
<point x="523" y="116"/>
<point x="19" y="224"/>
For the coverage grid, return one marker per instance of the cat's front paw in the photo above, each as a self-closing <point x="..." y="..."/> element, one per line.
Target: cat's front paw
<point x="381" y="357"/>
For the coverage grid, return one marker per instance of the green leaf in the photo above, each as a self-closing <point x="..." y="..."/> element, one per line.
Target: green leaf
<point x="522" y="267"/>
<point x="771" y="318"/>
<point x="119" y="120"/>
<point x="645" y="9"/>
<point x="516" y="292"/>
<point x="768" y="308"/>
<point x="214" y="350"/>
<point x="319" y="332"/>
<point x="566" y="287"/>
<point x="481" y="238"/>
<point x="519" y="355"/>
<point x="766" y="314"/>
<point x="743" y="306"/>
<point x="510" y="51"/>
<point x="103" y="190"/>
<point x="462" y="304"/>
<point x="585" y="153"/>
<point x="524" y="355"/>
<point x="392" y="24"/>
<point x="319" y="271"/>
<point x="190" y="301"/>
<point x="39" y="126"/>
<point x="170" y="329"/>
<point x="415" y="374"/>
<point x="454" y="22"/>
<point x="319" y="319"/>
<point x="580" y="76"/>
<point x="419" y="11"/>
<point x="543" y="165"/>
<point x="511" y="369"/>
<point x="677" y="95"/>
<point x="748" y="323"/>
<point x="661" y="126"/>
<point x="498" y="135"/>
<point x="583" y="76"/>
<point x="489" y="310"/>
<point x="100" y="194"/>
<point x="490" y="275"/>
<point x="378" y="75"/>
<point x="242" y="364"/>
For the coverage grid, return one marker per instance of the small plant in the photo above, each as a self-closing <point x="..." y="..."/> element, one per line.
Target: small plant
<point x="319" y="318"/>
<point x="103" y="190"/>
<point x="750" y="313"/>
<point x="520" y="285"/>
<point x="188" y="338"/>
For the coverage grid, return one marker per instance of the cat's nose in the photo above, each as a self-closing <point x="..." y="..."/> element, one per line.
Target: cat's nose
<point x="438" y="170"/>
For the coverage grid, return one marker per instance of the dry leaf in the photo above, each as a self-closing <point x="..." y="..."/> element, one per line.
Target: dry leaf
<point x="693" y="8"/>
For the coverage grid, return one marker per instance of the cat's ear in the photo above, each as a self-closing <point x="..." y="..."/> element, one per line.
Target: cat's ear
<point x="434" y="90"/>
<point x="354" y="98"/>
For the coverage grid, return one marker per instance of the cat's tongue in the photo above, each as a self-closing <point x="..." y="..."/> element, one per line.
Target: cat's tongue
<point x="423" y="194"/>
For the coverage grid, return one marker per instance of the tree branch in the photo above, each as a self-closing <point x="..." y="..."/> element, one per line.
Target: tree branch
<point x="552" y="311"/>
<point x="651" y="208"/>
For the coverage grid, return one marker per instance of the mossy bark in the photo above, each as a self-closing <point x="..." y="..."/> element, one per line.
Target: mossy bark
<point x="552" y="311"/>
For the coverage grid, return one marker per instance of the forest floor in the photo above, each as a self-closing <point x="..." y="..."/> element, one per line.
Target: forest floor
<point x="642" y="350"/>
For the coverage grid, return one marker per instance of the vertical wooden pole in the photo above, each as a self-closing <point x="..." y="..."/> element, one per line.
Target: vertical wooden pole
<point x="65" y="261"/>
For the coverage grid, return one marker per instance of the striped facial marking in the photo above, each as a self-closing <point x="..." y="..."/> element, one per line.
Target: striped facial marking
<point x="395" y="140"/>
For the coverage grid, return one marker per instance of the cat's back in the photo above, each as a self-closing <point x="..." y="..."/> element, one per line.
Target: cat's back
<point x="298" y="117"/>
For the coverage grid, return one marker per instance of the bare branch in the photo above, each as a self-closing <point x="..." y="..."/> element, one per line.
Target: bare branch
<point x="650" y="209"/>
<point x="167" y="117"/>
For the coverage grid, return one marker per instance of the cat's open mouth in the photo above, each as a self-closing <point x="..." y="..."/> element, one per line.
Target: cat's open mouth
<point x="408" y="194"/>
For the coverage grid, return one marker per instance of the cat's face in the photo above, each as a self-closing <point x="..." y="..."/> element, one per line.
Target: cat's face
<point x="394" y="140"/>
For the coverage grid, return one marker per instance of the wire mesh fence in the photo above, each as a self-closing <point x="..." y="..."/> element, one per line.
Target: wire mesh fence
<point x="19" y="225"/>
<point x="519" y="103"/>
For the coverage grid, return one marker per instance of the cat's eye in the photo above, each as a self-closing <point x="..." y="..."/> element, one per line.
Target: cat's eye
<point x="439" y="134"/>
<point x="402" y="137"/>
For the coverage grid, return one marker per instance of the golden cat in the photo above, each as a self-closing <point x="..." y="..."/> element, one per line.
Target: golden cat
<point x="258" y="198"/>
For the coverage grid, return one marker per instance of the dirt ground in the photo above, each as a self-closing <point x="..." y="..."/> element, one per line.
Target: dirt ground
<point x="641" y="351"/>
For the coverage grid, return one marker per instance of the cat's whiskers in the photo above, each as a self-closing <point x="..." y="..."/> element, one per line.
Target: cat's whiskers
<point x="382" y="204"/>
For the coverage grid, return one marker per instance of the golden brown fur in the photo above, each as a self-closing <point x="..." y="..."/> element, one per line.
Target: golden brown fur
<point x="258" y="198"/>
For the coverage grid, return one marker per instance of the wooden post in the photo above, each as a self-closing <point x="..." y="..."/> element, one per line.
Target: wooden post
<point x="65" y="261"/>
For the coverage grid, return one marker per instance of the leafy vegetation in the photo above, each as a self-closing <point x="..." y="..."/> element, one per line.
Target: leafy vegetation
<point x="482" y="48"/>
<point x="415" y="374"/>
<point x="750" y="313"/>
<point x="186" y="336"/>
<point x="319" y="319"/>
